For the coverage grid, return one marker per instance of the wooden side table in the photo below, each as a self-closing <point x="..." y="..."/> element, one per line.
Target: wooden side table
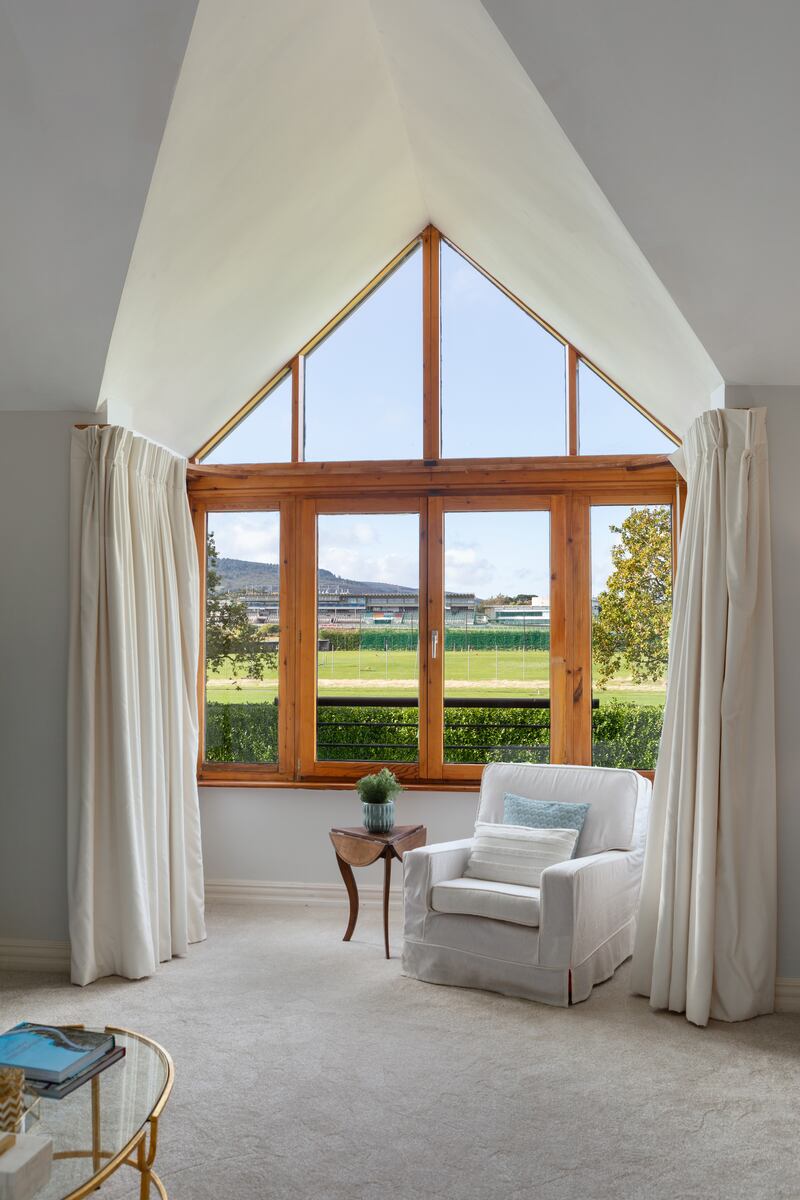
<point x="357" y="848"/>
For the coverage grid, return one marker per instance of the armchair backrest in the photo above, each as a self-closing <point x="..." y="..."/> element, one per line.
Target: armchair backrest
<point x="619" y="800"/>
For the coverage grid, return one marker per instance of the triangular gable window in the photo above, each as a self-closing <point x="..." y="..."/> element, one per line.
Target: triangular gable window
<point x="363" y="381"/>
<point x="503" y="374"/>
<point x="264" y="434"/>
<point x="609" y="424"/>
<point x="435" y="360"/>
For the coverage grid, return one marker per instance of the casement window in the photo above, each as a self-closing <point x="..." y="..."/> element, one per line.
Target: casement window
<point x="438" y="537"/>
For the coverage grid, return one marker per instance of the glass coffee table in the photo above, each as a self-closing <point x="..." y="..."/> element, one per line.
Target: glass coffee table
<point x="109" y="1122"/>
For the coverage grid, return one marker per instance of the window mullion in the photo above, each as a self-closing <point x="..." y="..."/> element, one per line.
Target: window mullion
<point x="579" y="616"/>
<point x="306" y="675"/>
<point x="560" y="701"/>
<point x="287" y="665"/>
<point x="433" y="667"/>
<point x="572" y="400"/>
<point x="431" y="353"/>
<point x="199" y="522"/>
<point x="298" y="407"/>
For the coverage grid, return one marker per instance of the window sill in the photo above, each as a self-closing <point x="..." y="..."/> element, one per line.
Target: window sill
<point x="340" y="785"/>
<point x="332" y="785"/>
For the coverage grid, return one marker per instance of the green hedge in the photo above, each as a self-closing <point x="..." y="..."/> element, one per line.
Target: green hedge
<point x="623" y="734"/>
<point x="626" y="735"/>
<point x="367" y="734"/>
<point x="478" y="637"/>
<point x="244" y="733"/>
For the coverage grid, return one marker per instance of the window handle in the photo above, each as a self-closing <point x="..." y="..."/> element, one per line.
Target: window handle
<point x="434" y="642"/>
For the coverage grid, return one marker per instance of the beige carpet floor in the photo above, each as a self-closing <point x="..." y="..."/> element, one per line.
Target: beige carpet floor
<point x="311" y="1069"/>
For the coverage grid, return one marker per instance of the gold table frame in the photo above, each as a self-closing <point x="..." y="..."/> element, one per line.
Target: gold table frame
<point x="140" y="1151"/>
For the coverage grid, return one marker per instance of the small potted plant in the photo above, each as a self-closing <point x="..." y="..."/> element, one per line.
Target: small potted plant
<point x="377" y="794"/>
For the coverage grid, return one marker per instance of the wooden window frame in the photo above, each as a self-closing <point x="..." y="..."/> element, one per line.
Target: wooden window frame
<point x="565" y="488"/>
<point x="283" y="770"/>
<point x="568" y="486"/>
<point x="309" y="766"/>
<point x="480" y="502"/>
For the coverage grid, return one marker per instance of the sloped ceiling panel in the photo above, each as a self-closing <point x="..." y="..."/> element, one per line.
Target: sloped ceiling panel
<point x="687" y="114"/>
<point x="284" y="183"/>
<point x="85" y="89"/>
<point x="501" y="179"/>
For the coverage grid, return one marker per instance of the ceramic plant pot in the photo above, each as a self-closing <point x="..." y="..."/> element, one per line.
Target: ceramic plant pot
<point x="378" y="818"/>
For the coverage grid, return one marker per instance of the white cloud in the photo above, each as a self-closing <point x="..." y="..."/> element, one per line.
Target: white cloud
<point x="466" y="571"/>
<point x="457" y="557"/>
<point x="251" y="536"/>
<point x="364" y="533"/>
<point x="354" y="562"/>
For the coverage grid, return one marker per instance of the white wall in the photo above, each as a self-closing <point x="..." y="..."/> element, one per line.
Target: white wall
<point x="783" y="433"/>
<point x="34" y="595"/>
<point x="280" y="835"/>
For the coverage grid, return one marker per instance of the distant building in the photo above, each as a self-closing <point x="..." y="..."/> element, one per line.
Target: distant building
<point x="535" y="615"/>
<point x="355" y="609"/>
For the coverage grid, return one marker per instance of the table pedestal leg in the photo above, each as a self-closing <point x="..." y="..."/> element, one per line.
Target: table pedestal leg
<point x="387" y="879"/>
<point x="96" y="1155"/>
<point x="144" y="1172"/>
<point x="352" y="892"/>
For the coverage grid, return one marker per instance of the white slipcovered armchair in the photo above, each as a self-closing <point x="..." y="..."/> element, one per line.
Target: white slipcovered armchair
<point x="552" y="943"/>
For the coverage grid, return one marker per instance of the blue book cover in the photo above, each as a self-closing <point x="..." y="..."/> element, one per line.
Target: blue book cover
<point x="50" y="1053"/>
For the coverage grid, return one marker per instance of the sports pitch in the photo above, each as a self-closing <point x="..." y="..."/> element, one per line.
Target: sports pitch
<point x="474" y="674"/>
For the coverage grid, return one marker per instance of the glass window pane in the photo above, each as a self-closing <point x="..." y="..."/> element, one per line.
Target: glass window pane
<point x="242" y="637"/>
<point x="363" y="383"/>
<point x="264" y="435"/>
<point x="631" y="613"/>
<point x="368" y="638"/>
<point x="497" y="637"/>
<point x="503" y="374"/>
<point x="608" y="424"/>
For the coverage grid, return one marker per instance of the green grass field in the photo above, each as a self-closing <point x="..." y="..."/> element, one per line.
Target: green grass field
<point x="473" y="675"/>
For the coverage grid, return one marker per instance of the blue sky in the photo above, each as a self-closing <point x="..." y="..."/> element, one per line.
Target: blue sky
<point x="503" y="393"/>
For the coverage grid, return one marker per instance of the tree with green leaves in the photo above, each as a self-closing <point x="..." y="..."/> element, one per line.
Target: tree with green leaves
<point x="631" y="629"/>
<point x="229" y="632"/>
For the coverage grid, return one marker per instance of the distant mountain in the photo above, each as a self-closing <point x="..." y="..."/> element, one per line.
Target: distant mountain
<point x="238" y="575"/>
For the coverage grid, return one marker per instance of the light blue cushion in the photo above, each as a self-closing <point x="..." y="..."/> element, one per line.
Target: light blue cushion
<point x="544" y="814"/>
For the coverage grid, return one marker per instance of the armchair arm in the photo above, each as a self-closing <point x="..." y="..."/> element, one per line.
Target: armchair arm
<point x="422" y="869"/>
<point x="583" y="902"/>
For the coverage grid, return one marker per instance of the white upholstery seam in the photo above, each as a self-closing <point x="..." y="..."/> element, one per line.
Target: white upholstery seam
<point x="605" y="941"/>
<point x="512" y="962"/>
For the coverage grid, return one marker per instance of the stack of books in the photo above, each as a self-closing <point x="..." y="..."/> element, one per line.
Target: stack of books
<point x="57" y="1060"/>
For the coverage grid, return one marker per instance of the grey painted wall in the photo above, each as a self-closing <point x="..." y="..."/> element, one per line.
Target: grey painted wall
<point x="85" y="89"/>
<point x="34" y="595"/>
<point x="783" y="433"/>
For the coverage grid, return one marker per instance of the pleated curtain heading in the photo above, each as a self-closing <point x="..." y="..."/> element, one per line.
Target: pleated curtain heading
<point x="135" y="873"/>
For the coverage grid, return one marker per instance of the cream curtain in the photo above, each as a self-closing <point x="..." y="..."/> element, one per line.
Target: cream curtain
<point x="135" y="875"/>
<point x="706" y="940"/>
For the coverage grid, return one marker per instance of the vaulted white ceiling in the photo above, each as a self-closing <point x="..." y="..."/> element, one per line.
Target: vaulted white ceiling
<point x="627" y="169"/>
<point x="307" y="142"/>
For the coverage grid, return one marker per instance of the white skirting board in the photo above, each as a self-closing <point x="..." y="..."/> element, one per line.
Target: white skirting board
<point x="787" y="995"/>
<point x="18" y="954"/>
<point x="239" y="890"/>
